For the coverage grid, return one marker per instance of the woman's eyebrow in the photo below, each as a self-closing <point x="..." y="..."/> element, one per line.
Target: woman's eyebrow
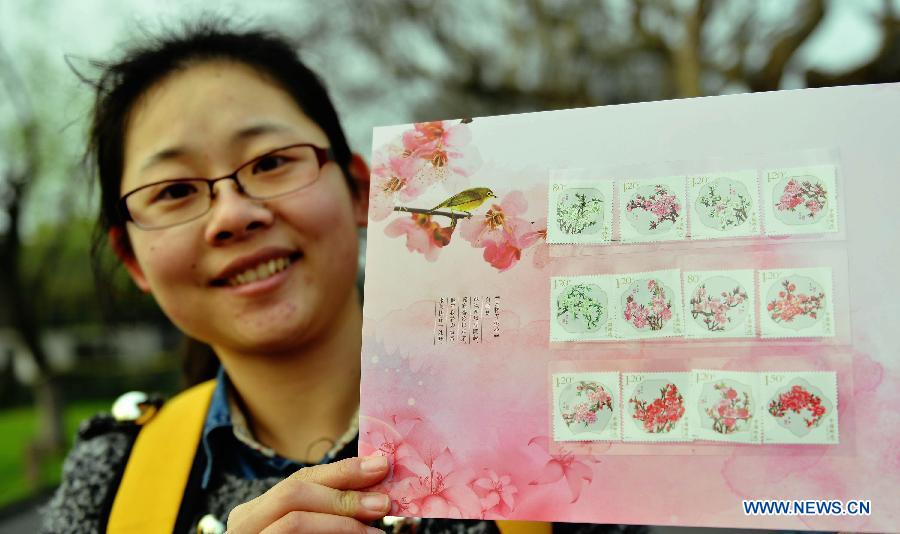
<point x="249" y="132"/>
<point x="163" y="155"/>
<point x="256" y="130"/>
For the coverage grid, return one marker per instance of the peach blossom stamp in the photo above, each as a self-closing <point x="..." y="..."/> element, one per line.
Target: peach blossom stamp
<point x="801" y="407"/>
<point x="580" y="211"/>
<point x="724" y="205"/>
<point x="580" y="308"/>
<point x="586" y="407"/>
<point x="796" y="303"/>
<point x="654" y="406"/>
<point x="648" y="305"/>
<point x="652" y="210"/>
<point x="725" y="406"/>
<point x="719" y="304"/>
<point x="801" y="200"/>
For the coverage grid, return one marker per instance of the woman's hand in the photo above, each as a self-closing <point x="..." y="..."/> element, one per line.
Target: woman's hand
<point x="318" y="499"/>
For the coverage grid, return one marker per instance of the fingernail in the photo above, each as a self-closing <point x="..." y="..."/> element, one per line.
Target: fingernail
<point x="374" y="464"/>
<point x="375" y="502"/>
<point x="373" y="530"/>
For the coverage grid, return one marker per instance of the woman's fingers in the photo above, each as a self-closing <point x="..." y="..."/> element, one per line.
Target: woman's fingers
<point x="315" y="523"/>
<point x="291" y="496"/>
<point x="324" y="489"/>
<point x="352" y="473"/>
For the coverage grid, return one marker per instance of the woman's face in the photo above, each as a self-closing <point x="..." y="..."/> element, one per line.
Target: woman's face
<point x="205" y="121"/>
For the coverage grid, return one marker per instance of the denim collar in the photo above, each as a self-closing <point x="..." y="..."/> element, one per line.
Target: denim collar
<point x="223" y="450"/>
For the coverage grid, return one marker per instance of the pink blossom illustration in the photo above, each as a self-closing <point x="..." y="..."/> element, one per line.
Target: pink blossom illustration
<point x="497" y="493"/>
<point x="653" y="314"/>
<point x="562" y="466"/>
<point x="392" y="180"/>
<point x="663" y="413"/>
<point x="444" y="148"/>
<point x="585" y="413"/>
<point x="422" y="234"/>
<point x="733" y="410"/>
<point x="434" y="152"/>
<point x="662" y="205"/>
<point x="390" y="439"/>
<point x="802" y="196"/>
<point x="715" y="311"/>
<point x="791" y="304"/>
<point x="540" y="251"/>
<point x="438" y="488"/>
<point x="800" y="401"/>
<point x="502" y="233"/>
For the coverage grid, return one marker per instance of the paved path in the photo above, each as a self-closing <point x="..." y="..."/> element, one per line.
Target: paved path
<point x="25" y="520"/>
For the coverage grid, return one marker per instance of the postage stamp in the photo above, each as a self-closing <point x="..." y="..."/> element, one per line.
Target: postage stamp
<point x="580" y="308"/>
<point x="800" y="200"/>
<point x="652" y="210"/>
<point x="654" y="406"/>
<point x="796" y="303"/>
<point x="580" y="211"/>
<point x="648" y="305"/>
<point x="719" y="304"/>
<point x="724" y="406"/>
<point x="724" y="204"/>
<point x="586" y="407"/>
<point x="801" y="407"/>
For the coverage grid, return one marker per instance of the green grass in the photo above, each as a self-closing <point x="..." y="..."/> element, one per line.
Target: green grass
<point x="17" y="427"/>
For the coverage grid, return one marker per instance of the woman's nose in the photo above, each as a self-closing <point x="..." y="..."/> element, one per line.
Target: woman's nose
<point x="234" y="216"/>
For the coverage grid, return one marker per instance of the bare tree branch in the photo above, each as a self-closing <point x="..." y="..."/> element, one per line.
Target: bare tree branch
<point x="769" y="77"/>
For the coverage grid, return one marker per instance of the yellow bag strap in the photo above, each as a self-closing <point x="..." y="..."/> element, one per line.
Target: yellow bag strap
<point x="524" y="527"/>
<point x="153" y="484"/>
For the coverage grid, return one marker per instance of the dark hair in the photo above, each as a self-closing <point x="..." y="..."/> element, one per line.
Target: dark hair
<point x="122" y="83"/>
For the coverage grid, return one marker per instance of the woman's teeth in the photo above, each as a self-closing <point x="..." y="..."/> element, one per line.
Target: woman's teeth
<point x="260" y="272"/>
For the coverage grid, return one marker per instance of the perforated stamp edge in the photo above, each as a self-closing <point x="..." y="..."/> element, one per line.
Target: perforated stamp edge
<point x="558" y="285"/>
<point x="559" y="183"/>
<point x="773" y="226"/>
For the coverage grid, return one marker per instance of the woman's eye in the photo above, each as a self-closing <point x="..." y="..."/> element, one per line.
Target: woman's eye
<point x="176" y="191"/>
<point x="269" y="163"/>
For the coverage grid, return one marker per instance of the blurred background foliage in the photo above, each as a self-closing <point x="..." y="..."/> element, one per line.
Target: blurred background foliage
<point x="70" y="343"/>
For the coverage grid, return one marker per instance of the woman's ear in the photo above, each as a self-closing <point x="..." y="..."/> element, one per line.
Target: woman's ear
<point x="118" y="239"/>
<point x="359" y="173"/>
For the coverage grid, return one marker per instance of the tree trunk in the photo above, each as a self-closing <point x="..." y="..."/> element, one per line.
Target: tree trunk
<point x="51" y="437"/>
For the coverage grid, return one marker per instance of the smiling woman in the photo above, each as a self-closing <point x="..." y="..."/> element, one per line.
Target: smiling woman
<point x="196" y="123"/>
<point x="229" y="193"/>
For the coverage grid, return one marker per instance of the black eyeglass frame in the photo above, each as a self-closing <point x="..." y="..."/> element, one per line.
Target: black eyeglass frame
<point x="323" y="156"/>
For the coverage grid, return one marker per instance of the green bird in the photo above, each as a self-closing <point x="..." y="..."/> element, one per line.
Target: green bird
<point x="467" y="200"/>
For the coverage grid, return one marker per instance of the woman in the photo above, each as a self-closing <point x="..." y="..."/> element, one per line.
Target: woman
<point x="230" y="194"/>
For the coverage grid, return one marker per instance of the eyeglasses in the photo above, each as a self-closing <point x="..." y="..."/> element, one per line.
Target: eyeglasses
<point x="276" y="173"/>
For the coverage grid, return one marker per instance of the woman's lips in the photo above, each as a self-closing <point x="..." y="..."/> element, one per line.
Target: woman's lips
<point x="255" y="268"/>
<point x="264" y="285"/>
